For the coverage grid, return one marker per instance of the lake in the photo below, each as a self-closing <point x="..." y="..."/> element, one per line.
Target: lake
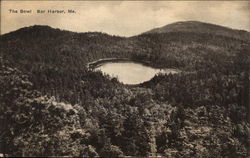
<point x="131" y="72"/>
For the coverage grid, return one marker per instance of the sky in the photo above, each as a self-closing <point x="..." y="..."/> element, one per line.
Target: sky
<point x="123" y="18"/>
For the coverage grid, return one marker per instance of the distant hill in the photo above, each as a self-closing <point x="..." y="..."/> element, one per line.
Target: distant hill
<point x="200" y="27"/>
<point x="43" y="45"/>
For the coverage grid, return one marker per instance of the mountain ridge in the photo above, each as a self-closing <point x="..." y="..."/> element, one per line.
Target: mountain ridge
<point x="201" y="27"/>
<point x="180" y="26"/>
<point x="44" y="44"/>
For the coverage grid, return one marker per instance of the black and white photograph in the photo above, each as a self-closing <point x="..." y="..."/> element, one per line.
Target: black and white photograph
<point x="125" y="79"/>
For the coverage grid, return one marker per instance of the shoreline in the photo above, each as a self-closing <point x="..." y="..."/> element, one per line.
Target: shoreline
<point x="97" y="63"/>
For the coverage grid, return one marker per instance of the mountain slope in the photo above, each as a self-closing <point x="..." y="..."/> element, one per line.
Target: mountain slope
<point x="200" y="27"/>
<point x="54" y="47"/>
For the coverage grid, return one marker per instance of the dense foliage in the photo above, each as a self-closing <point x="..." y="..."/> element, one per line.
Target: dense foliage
<point x="52" y="105"/>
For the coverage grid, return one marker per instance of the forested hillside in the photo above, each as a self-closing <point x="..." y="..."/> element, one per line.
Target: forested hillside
<point x="53" y="105"/>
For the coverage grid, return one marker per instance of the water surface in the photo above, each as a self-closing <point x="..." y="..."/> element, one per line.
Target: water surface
<point x="131" y="72"/>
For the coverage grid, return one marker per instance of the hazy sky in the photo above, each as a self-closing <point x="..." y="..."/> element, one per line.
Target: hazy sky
<point x="125" y="18"/>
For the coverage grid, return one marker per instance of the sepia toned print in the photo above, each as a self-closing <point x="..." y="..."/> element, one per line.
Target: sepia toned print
<point x="125" y="79"/>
